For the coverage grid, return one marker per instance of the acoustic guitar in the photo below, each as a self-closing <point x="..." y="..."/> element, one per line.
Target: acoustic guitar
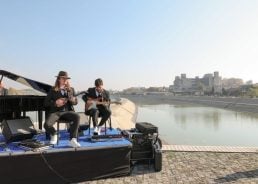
<point x="92" y="103"/>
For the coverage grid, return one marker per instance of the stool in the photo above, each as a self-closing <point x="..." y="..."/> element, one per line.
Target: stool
<point x="109" y="121"/>
<point x="57" y="131"/>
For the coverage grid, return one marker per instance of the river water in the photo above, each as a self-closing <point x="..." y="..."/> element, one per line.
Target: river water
<point x="195" y="125"/>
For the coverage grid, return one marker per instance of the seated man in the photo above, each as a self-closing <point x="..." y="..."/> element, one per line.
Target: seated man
<point x="3" y="90"/>
<point x="97" y="105"/>
<point x="59" y="102"/>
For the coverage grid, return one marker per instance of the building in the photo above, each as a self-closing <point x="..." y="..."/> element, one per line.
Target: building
<point x="198" y="86"/>
<point x="232" y="83"/>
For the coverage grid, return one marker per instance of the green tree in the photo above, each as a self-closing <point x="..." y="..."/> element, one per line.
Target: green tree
<point x="253" y="92"/>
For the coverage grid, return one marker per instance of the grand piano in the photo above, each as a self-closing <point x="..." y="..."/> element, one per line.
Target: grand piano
<point x="16" y="106"/>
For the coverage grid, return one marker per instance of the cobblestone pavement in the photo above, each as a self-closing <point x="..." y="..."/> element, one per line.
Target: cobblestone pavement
<point x="194" y="167"/>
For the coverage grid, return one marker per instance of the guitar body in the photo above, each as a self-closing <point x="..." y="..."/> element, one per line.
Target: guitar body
<point x="92" y="103"/>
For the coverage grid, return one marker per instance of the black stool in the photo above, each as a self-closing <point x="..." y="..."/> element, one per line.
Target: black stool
<point x="57" y="131"/>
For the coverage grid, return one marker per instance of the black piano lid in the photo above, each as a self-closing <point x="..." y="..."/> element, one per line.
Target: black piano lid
<point x="42" y="87"/>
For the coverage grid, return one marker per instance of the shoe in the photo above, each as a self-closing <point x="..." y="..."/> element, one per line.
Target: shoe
<point x="99" y="131"/>
<point x="73" y="143"/>
<point x="53" y="139"/>
<point x="96" y="131"/>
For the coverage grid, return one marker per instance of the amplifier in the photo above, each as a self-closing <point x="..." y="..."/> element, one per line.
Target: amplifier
<point x="142" y="144"/>
<point x="18" y="129"/>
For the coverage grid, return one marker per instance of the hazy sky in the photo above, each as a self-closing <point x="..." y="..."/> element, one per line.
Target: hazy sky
<point x="129" y="42"/>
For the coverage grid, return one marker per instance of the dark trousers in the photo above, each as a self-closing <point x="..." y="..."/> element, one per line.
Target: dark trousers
<point x="68" y="116"/>
<point x="101" y="111"/>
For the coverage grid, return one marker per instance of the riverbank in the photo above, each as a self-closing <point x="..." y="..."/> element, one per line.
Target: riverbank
<point x="249" y="105"/>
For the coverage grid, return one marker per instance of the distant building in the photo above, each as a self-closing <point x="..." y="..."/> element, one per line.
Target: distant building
<point x="144" y="91"/>
<point x="217" y="83"/>
<point x="250" y="82"/>
<point x="134" y="90"/>
<point x="232" y="83"/>
<point x="208" y="84"/>
<point x="255" y="85"/>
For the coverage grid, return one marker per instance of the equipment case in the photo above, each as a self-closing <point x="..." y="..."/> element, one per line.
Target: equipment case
<point x="146" y="128"/>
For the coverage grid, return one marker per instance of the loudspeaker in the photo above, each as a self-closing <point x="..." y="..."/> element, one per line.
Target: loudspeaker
<point x="18" y="129"/>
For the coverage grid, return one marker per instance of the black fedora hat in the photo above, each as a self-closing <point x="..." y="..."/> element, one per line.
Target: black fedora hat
<point x="63" y="74"/>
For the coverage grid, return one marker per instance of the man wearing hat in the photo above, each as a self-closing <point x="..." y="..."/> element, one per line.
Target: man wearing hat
<point x="59" y="103"/>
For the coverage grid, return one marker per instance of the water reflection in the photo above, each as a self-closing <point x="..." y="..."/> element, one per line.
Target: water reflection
<point x="195" y="125"/>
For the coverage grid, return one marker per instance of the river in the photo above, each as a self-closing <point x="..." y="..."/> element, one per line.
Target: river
<point x="197" y="125"/>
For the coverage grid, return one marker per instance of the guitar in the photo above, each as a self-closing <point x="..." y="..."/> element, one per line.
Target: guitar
<point x="92" y="103"/>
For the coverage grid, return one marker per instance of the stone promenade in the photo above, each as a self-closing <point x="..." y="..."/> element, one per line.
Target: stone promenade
<point x="194" y="167"/>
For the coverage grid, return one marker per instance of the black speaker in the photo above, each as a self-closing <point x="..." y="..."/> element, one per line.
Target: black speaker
<point x="18" y="129"/>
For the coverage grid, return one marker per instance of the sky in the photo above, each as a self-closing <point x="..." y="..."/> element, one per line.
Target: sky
<point x="128" y="42"/>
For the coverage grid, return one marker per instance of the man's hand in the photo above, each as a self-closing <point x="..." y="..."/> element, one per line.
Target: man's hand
<point x="61" y="102"/>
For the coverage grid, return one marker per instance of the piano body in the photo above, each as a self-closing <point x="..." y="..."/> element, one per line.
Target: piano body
<point x="16" y="106"/>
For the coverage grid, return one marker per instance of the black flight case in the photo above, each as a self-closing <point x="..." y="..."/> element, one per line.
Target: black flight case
<point x="146" y="144"/>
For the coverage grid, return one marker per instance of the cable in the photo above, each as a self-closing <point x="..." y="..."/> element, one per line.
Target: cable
<point x="53" y="170"/>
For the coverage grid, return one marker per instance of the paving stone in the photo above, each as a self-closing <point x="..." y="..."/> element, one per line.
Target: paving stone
<point x="194" y="167"/>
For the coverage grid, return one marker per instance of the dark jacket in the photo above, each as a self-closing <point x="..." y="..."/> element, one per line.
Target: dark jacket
<point x="91" y="93"/>
<point x="50" y="101"/>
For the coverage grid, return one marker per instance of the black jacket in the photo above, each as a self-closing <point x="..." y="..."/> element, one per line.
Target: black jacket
<point x="50" y="101"/>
